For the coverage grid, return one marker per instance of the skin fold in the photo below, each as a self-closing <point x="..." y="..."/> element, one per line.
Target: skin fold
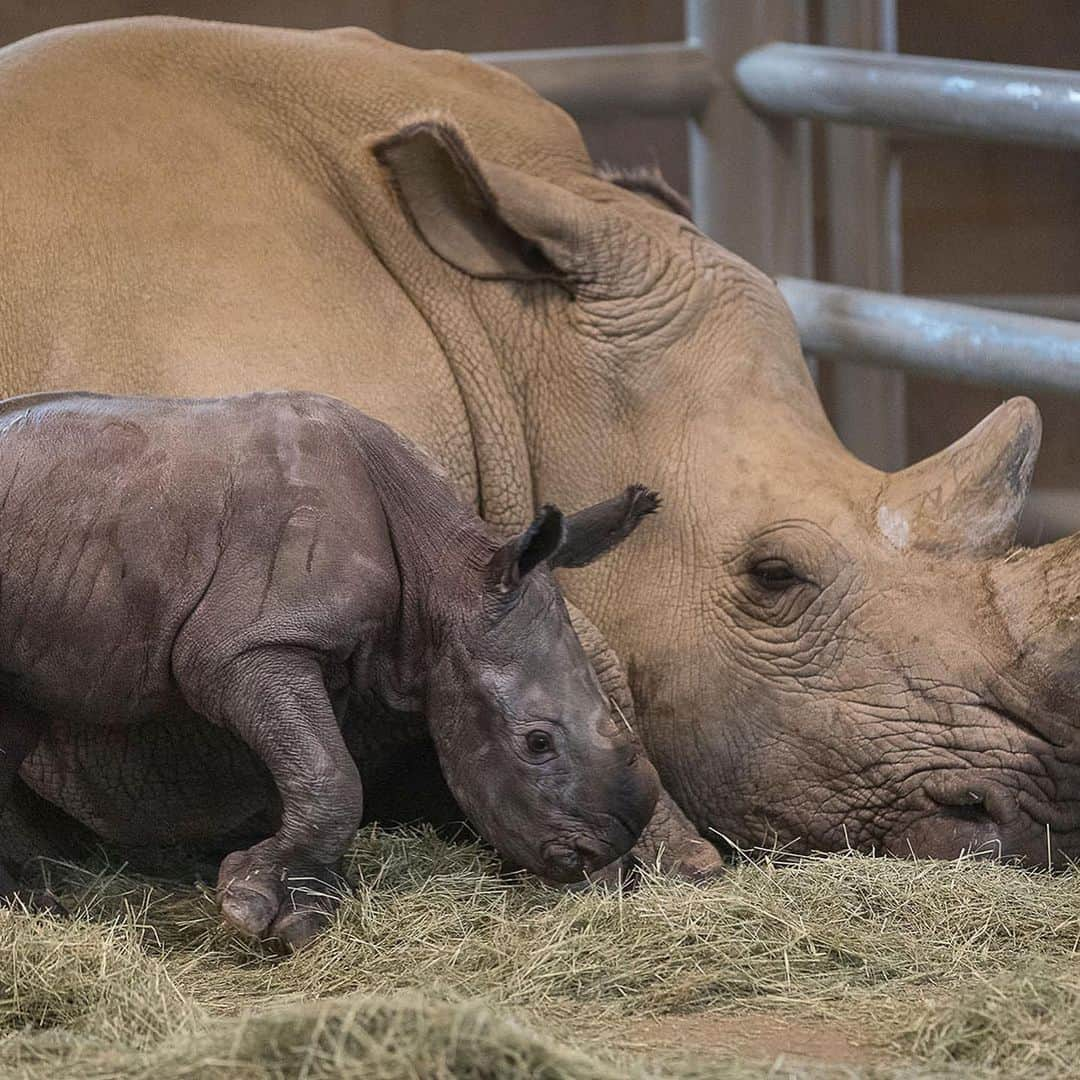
<point x="211" y="611"/>
<point x="820" y="654"/>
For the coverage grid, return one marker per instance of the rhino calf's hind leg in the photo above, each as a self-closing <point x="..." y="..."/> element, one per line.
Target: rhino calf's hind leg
<point x="20" y="731"/>
<point x="286" y="887"/>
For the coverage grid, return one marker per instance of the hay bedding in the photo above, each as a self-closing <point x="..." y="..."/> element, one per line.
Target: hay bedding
<point x="440" y="968"/>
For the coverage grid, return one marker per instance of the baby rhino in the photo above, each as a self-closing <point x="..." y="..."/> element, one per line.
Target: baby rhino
<point x="180" y="578"/>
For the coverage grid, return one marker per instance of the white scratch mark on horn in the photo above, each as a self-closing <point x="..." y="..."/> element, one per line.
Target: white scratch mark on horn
<point x="894" y="526"/>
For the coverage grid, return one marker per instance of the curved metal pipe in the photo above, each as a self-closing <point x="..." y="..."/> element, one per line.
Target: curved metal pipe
<point x="668" y="77"/>
<point x="951" y="341"/>
<point x="998" y="102"/>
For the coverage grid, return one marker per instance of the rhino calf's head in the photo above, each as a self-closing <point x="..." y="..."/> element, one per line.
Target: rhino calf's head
<point x="525" y="736"/>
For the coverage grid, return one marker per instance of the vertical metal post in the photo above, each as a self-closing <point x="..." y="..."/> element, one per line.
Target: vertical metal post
<point x="862" y="244"/>
<point x="750" y="178"/>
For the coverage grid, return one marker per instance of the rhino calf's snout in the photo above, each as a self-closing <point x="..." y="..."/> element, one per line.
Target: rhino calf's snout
<point x="616" y="808"/>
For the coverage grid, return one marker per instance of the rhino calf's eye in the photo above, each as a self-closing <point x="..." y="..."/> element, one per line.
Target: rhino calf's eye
<point x="539" y="742"/>
<point x="775" y="575"/>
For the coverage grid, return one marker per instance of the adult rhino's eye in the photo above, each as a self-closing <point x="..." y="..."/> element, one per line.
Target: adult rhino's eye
<point x="775" y="575"/>
<point x="539" y="742"/>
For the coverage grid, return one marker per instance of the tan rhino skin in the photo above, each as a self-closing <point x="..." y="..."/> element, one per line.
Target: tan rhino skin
<point x="821" y="654"/>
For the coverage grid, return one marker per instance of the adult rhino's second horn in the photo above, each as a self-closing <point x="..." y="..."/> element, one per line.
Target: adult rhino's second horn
<point x="1038" y="594"/>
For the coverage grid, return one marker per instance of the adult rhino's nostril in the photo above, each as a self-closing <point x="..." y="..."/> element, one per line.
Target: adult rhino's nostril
<point x="971" y="795"/>
<point x="965" y="817"/>
<point x="973" y="801"/>
<point x="973" y="811"/>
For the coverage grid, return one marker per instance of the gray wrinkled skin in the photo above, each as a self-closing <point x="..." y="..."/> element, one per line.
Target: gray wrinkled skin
<point x="207" y="608"/>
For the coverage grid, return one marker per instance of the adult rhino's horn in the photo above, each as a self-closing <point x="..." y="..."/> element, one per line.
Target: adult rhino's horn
<point x="968" y="498"/>
<point x="1037" y="591"/>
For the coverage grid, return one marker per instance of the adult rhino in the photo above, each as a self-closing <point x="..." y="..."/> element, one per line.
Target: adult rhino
<point x="821" y="654"/>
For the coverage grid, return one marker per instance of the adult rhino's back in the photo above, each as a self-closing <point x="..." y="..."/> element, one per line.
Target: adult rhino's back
<point x="188" y="210"/>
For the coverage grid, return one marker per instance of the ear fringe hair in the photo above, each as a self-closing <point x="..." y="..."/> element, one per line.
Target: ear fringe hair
<point x="646" y="180"/>
<point x="642" y="502"/>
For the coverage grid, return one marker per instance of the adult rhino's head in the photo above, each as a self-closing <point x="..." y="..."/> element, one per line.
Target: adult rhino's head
<point x="823" y="655"/>
<point x="526" y="738"/>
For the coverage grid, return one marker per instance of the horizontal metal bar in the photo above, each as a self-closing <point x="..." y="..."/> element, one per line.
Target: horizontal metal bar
<point x="950" y="341"/>
<point x="998" y="102"/>
<point x="1052" y="305"/>
<point x="668" y="77"/>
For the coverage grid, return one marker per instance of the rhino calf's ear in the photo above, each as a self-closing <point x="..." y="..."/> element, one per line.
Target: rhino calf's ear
<point x="521" y="553"/>
<point x="592" y="532"/>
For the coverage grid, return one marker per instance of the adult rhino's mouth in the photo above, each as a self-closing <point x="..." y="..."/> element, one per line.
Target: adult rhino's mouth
<point x="1006" y="802"/>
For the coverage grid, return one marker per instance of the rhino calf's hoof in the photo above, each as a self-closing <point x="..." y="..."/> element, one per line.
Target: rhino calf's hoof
<point x="18" y="894"/>
<point x="698" y="861"/>
<point x="309" y="907"/>
<point x="693" y="863"/>
<point x="43" y="902"/>
<point x="611" y="878"/>
<point x="250" y="892"/>
<point x="267" y="903"/>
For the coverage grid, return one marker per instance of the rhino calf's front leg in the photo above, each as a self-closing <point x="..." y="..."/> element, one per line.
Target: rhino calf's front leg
<point x="286" y="887"/>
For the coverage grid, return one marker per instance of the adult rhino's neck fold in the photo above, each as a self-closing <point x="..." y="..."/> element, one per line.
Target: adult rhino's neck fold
<point x="450" y="304"/>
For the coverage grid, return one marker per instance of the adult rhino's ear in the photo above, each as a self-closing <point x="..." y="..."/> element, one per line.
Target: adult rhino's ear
<point x="592" y="532"/>
<point x="522" y="553"/>
<point x="486" y="219"/>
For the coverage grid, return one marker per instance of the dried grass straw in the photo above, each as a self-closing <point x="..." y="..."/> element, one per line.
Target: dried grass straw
<point x="441" y="968"/>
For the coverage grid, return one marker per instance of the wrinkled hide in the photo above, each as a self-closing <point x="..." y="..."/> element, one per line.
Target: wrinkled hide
<point x="820" y="654"/>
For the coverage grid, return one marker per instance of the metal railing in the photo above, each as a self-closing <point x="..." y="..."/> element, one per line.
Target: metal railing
<point x="951" y="341"/>
<point x="784" y="81"/>
<point x="671" y="77"/>
<point x="965" y="98"/>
